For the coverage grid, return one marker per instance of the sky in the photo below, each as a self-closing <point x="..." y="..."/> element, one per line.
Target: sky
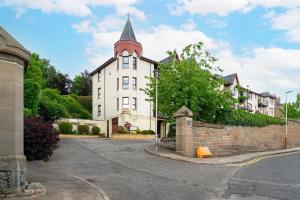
<point x="258" y="39"/>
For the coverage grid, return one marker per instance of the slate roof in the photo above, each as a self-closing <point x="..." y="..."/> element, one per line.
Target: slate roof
<point x="128" y="33"/>
<point x="103" y="65"/>
<point x="168" y="59"/>
<point x="267" y="94"/>
<point x="229" y="79"/>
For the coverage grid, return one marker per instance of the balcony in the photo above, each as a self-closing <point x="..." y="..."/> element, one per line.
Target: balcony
<point x="262" y="103"/>
<point x="244" y="107"/>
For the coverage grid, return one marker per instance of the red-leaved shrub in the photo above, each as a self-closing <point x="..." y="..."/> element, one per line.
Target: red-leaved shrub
<point x="40" y="138"/>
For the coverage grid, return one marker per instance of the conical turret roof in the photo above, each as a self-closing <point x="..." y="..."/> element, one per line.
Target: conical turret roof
<point x="128" y="33"/>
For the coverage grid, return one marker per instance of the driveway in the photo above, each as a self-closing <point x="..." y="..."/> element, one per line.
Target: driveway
<point x="84" y="169"/>
<point x="124" y="171"/>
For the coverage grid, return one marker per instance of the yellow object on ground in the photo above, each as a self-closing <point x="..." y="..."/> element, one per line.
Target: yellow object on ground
<point x="203" y="152"/>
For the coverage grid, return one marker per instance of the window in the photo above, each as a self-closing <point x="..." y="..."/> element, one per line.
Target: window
<point x="134" y="83"/>
<point x="99" y="76"/>
<point x="134" y="62"/>
<point x="99" y="110"/>
<point x="117" y="83"/>
<point x="117" y="103"/>
<point x="249" y="106"/>
<point x="134" y="103"/>
<point x="125" y="82"/>
<point x="118" y="63"/>
<point x="125" y="62"/>
<point x="125" y="102"/>
<point x="99" y="92"/>
<point x="250" y="96"/>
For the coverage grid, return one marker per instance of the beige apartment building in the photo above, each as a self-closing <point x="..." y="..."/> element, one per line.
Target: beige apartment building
<point x="263" y="103"/>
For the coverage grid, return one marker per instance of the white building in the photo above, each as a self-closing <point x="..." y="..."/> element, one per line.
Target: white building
<point x="117" y="96"/>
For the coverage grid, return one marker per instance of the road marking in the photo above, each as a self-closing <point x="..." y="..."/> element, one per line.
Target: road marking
<point x="105" y="196"/>
<point x="257" y="160"/>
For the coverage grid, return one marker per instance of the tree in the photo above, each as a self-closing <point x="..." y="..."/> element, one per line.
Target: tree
<point x="293" y="109"/>
<point x="62" y="83"/>
<point x="191" y="81"/>
<point x="55" y="79"/>
<point x="82" y="84"/>
<point x="32" y="85"/>
<point x="31" y="96"/>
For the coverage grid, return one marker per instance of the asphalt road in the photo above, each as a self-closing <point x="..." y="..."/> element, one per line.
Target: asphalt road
<point x="124" y="171"/>
<point x="277" y="177"/>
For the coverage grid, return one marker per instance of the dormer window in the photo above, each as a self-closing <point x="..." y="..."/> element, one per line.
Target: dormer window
<point x="134" y="62"/>
<point x="125" y="64"/>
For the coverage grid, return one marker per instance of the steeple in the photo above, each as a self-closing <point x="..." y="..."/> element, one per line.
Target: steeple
<point x="128" y="33"/>
<point x="128" y="42"/>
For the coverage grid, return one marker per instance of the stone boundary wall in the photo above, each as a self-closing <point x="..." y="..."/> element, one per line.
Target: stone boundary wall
<point x="230" y="140"/>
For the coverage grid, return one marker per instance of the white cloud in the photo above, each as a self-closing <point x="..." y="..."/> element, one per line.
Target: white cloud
<point x="225" y="7"/>
<point x="70" y="7"/>
<point x="189" y="25"/>
<point x="101" y="46"/>
<point x="264" y="68"/>
<point x="288" y="21"/>
<point x="205" y="7"/>
<point x="157" y="41"/>
<point x="216" y="23"/>
<point x="125" y="9"/>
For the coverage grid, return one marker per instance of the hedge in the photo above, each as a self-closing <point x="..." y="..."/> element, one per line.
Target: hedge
<point x="65" y="128"/>
<point x="83" y="129"/>
<point x="96" y="130"/>
<point x="148" y="132"/>
<point x="243" y="118"/>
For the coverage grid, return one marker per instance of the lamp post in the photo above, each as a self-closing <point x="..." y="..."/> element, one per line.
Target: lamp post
<point x="286" y="120"/>
<point x="157" y="77"/>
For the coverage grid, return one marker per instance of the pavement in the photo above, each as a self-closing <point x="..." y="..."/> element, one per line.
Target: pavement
<point x="236" y="160"/>
<point x="95" y="168"/>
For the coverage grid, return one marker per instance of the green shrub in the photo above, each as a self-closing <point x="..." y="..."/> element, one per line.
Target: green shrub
<point x="83" y="129"/>
<point x="172" y="131"/>
<point x="122" y="130"/>
<point x="148" y="132"/>
<point x="74" y="108"/>
<point x="55" y="106"/>
<point x="56" y="130"/>
<point x="86" y="102"/>
<point x="27" y="112"/>
<point x="51" y="109"/>
<point x="95" y="130"/>
<point x="138" y="131"/>
<point x="243" y="118"/>
<point x="65" y="128"/>
<point x="31" y="96"/>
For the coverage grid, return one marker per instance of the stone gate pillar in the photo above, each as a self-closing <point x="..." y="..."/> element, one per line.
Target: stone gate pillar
<point x="184" y="134"/>
<point x="13" y="58"/>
